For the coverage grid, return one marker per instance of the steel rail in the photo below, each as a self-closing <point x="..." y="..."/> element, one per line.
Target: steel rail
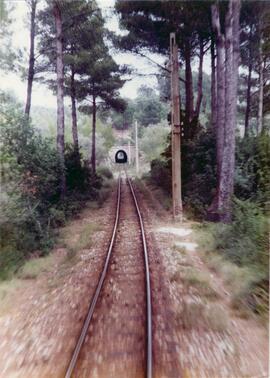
<point x="97" y="292"/>
<point x="149" y="371"/>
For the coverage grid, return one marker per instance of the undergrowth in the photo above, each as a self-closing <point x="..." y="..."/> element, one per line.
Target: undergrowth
<point x="239" y="253"/>
<point x="199" y="315"/>
<point x="32" y="208"/>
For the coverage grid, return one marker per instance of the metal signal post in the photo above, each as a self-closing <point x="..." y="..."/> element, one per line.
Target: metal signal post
<point x="176" y="131"/>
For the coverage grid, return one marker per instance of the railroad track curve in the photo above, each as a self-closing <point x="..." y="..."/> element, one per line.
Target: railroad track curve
<point x="127" y="209"/>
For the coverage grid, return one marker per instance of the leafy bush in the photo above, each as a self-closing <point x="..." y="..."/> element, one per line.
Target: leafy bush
<point x="252" y="178"/>
<point x="198" y="172"/>
<point x="153" y="140"/>
<point x="30" y="178"/>
<point x="82" y="183"/>
<point x="240" y="253"/>
<point x="245" y="240"/>
<point x="31" y="205"/>
<point x="161" y="175"/>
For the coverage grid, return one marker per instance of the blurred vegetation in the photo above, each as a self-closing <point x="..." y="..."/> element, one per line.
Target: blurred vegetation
<point x="146" y="108"/>
<point x="243" y="245"/>
<point x="153" y="140"/>
<point x="31" y="206"/>
<point x="239" y="252"/>
<point x="198" y="172"/>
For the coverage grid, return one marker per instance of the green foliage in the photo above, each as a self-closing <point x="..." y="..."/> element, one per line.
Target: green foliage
<point x="146" y="108"/>
<point x="79" y="177"/>
<point x="149" y="23"/>
<point x="154" y="140"/>
<point x="252" y="178"/>
<point x="105" y="132"/>
<point x="164" y="88"/>
<point x="32" y="268"/>
<point x="240" y="253"/>
<point x="149" y="109"/>
<point x="30" y="177"/>
<point x="30" y="203"/>
<point x="252" y="175"/>
<point x="198" y="172"/>
<point x="122" y="120"/>
<point x="245" y="240"/>
<point x="161" y="174"/>
<point x="243" y="243"/>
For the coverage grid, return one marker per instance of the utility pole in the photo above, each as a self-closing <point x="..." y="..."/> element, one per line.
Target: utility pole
<point x="176" y="131"/>
<point x="136" y="148"/>
<point x="129" y="153"/>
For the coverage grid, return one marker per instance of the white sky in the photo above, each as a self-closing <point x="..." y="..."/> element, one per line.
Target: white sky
<point x="41" y="95"/>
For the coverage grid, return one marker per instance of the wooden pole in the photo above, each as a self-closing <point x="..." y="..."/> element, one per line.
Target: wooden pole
<point x="176" y="131"/>
<point x="129" y="153"/>
<point x="136" y="148"/>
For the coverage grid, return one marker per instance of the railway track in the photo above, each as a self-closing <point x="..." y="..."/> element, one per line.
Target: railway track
<point x="127" y="265"/>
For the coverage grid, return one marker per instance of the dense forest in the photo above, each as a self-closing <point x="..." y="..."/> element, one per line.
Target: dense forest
<point x="51" y="164"/>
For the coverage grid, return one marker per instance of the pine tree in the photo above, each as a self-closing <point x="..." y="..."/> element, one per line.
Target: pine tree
<point x="60" y="93"/>
<point x="89" y="70"/>
<point x="227" y="77"/>
<point x="31" y="65"/>
<point x="149" y="25"/>
<point x="100" y="89"/>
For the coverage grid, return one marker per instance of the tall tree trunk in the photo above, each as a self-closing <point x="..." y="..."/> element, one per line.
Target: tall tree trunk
<point x="189" y="83"/>
<point x="260" y="103"/>
<point x="220" y="208"/>
<point x="93" y="153"/>
<point x="220" y="87"/>
<point x="247" y="112"/>
<point x="74" y="112"/>
<point x="31" y="64"/>
<point x="200" y="81"/>
<point x="60" y="94"/>
<point x="226" y="180"/>
<point x="224" y="184"/>
<point x="213" y="86"/>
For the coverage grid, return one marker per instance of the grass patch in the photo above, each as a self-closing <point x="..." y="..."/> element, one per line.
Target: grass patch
<point x="32" y="268"/>
<point x="78" y="236"/>
<point x="70" y="257"/>
<point x="248" y="295"/>
<point x="247" y="282"/>
<point x="105" y="191"/>
<point x="242" y="283"/>
<point x="198" y="315"/>
<point x="8" y="291"/>
<point x="179" y="249"/>
<point x="201" y="281"/>
<point x="154" y="194"/>
<point x="216" y="318"/>
<point x="85" y="239"/>
<point x="10" y="261"/>
<point x="205" y="235"/>
<point x="8" y="287"/>
<point x="190" y="315"/>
